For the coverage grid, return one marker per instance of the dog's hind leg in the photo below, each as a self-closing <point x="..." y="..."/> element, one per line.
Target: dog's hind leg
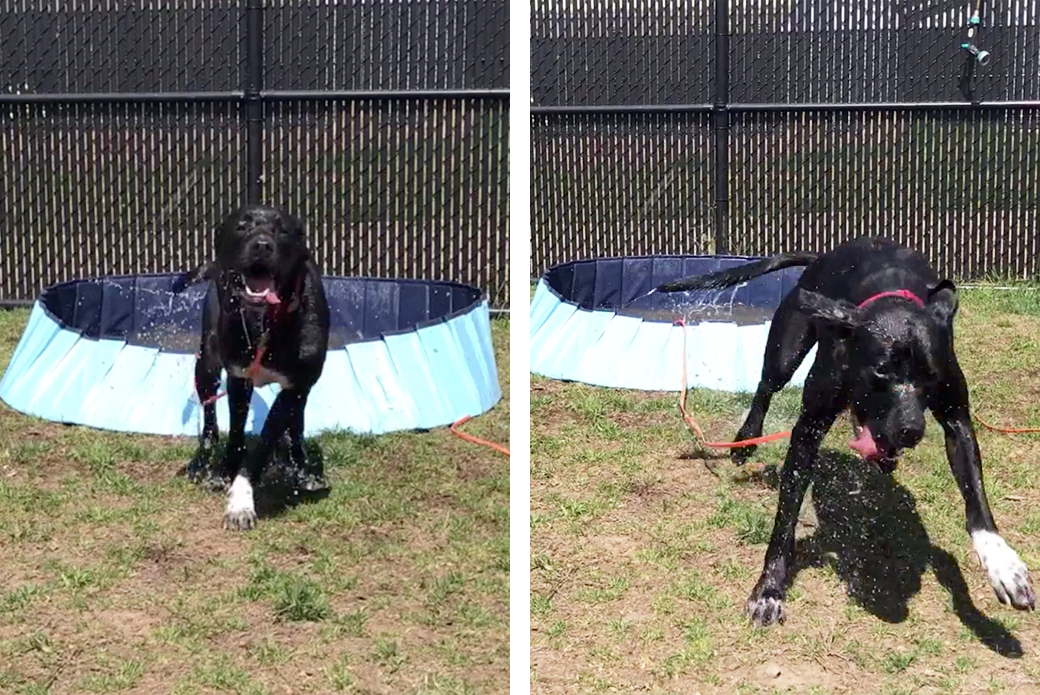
<point x="821" y="403"/>
<point x="791" y="336"/>
<point x="308" y="474"/>
<point x="1008" y="575"/>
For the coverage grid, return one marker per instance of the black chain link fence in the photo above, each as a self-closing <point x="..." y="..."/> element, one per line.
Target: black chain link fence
<point x="125" y="134"/>
<point x="751" y="127"/>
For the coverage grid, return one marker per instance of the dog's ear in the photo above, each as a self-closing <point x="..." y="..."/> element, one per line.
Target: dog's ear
<point x="942" y="301"/>
<point x="298" y="228"/>
<point x="206" y="271"/>
<point x="836" y="313"/>
<point x="299" y="232"/>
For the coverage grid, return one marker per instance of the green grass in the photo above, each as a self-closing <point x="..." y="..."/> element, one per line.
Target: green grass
<point x="117" y="575"/>
<point x="642" y="557"/>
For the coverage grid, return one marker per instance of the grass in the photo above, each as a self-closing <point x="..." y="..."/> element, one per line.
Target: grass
<point x="642" y="557"/>
<point x="116" y="576"/>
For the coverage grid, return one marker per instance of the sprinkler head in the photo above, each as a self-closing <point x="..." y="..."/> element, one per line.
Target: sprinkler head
<point x="981" y="56"/>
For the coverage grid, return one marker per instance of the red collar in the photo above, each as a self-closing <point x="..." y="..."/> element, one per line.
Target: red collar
<point x="280" y="312"/>
<point x="905" y="294"/>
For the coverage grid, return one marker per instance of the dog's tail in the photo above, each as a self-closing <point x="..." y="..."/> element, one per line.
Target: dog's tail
<point x="206" y="271"/>
<point x="739" y="274"/>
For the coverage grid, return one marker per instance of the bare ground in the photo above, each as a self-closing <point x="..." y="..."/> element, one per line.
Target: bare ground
<point x="643" y="554"/>
<point x="116" y="576"/>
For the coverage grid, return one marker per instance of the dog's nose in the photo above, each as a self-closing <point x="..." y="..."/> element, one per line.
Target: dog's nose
<point x="263" y="245"/>
<point x="907" y="437"/>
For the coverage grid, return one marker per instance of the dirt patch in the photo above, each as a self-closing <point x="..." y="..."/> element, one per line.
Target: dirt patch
<point x="641" y="563"/>
<point x="129" y="624"/>
<point x="118" y="577"/>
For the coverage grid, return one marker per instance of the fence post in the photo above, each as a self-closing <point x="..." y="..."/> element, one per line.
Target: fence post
<point x="253" y="105"/>
<point x="720" y="114"/>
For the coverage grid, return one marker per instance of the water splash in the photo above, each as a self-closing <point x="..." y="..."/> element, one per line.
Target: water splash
<point x="697" y="306"/>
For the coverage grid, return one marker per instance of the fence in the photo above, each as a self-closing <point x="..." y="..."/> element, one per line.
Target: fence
<point x="130" y="129"/>
<point x="749" y="127"/>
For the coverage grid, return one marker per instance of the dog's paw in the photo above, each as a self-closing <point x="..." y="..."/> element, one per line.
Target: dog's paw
<point x="312" y="483"/>
<point x="766" y="609"/>
<point x="199" y="468"/>
<point x="305" y="481"/>
<point x="1007" y="573"/>
<point x="241" y="512"/>
<point x="741" y="455"/>
<point x="214" y="483"/>
<point x="239" y="520"/>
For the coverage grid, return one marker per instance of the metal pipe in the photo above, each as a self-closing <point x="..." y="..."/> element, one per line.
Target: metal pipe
<point x="121" y="98"/>
<point x="253" y="105"/>
<point x="391" y="94"/>
<point x="887" y="106"/>
<point x="622" y="109"/>
<point x="270" y="95"/>
<point x="736" y="107"/>
<point x="721" y="123"/>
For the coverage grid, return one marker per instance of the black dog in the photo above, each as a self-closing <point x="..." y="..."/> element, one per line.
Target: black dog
<point x="265" y="320"/>
<point x="884" y="324"/>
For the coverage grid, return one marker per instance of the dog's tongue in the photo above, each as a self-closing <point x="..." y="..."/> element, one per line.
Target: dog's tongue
<point x="863" y="443"/>
<point x="263" y="288"/>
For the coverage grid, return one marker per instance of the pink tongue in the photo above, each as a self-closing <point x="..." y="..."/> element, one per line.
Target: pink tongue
<point x="863" y="443"/>
<point x="266" y="287"/>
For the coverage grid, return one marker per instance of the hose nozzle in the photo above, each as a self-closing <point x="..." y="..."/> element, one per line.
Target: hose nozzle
<point x="981" y="56"/>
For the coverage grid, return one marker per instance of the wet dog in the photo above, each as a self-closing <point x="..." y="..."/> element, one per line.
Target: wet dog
<point x="265" y="319"/>
<point x="883" y="323"/>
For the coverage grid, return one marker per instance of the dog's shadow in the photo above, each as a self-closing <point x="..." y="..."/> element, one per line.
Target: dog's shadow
<point x="280" y="490"/>
<point x="869" y="531"/>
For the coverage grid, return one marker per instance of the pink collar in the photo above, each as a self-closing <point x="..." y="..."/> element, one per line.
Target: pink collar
<point x="905" y="294"/>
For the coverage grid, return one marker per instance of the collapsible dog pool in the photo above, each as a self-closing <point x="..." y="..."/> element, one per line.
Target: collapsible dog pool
<point x="118" y="353"/>
<point x="596" y="321"/>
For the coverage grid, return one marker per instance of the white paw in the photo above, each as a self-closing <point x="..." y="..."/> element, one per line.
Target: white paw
<point x="1007" y="573"/>
<point x="765" y="610"/>
<point x="240" y="514"/>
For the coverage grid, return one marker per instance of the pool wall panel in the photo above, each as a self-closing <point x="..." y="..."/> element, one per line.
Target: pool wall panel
<point x="73" y="363"/>
<point x="577" y="333"/>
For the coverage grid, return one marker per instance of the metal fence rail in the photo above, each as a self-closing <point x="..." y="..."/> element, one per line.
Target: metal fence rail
<point x="702" y="126"/>
<point x="128" y="131"/>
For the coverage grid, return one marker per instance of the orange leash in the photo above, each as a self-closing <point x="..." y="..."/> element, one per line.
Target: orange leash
<point x="254" y="369"/>
<point x="698" y="432"/>
<point x="1005" y="430"/>
<point x="475" y="440"/>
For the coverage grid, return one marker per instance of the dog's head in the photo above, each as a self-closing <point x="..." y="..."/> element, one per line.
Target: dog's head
<point x="261" y="254"/>
<point x="897" y="355"/>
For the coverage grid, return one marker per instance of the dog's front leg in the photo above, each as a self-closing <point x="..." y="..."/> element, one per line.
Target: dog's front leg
<point x="207" y="381"/>
<point x="766" y="603"/>
<point x="239" y="395"/>
<point x="241" y="508"/>
<point x="1008" y="575"/>
<point x="820" y="405"/>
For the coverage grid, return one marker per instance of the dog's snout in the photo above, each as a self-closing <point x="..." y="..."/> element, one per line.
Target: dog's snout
<point x="908" y="436"/>
<point x="261" y="247"/>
